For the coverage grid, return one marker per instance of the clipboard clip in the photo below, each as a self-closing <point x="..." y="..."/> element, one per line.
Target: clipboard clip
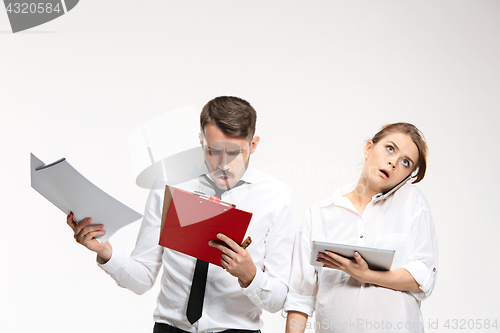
<point x="214" y="199"/>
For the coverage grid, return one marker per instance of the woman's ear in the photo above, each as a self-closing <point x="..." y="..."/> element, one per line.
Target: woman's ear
<point x="368" y="148"/>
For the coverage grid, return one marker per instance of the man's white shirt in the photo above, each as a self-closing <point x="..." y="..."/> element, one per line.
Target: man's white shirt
<point x="226" y="304"/>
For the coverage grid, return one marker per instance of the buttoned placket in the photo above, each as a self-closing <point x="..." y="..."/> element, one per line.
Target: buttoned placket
<point x="225" y="194"/>
<point x="362" y="225"/>
<point x="361" y="231"/>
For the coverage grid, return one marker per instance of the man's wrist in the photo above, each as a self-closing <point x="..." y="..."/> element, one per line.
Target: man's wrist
<point x="245" y="282"/>
<point x="105" y="255"/>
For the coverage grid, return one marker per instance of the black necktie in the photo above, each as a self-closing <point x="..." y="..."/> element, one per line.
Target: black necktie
<point x="197" y="294"/>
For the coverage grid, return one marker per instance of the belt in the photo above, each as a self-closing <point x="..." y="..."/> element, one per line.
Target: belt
<point x="166" y="328"/>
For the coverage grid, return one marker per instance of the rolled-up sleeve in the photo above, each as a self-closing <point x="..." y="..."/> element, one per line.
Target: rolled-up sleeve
<point x="423" y="263"/>
<point x="303" y="280"/>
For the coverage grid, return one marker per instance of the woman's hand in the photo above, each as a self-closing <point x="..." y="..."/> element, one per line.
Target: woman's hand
<point x="357" y="267"/>
<point x="397" y="279"/>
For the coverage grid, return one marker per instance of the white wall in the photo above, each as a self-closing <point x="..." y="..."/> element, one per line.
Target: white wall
<point x="323" y="76"/>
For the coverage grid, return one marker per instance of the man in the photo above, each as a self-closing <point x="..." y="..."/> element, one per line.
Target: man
<point x="251" y="279"/>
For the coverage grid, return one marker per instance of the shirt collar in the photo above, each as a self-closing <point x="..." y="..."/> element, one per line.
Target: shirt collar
<point x="339" y="199"/>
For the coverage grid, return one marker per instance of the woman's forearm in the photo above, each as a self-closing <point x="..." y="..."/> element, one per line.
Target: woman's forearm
<point x="398" y="279"/>
<point x="296" y="322"/>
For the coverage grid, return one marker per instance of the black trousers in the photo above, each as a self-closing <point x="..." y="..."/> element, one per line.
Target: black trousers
<point x="165" y="328"/>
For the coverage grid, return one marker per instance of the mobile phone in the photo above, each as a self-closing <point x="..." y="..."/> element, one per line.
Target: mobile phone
<point x="387" y="193"/>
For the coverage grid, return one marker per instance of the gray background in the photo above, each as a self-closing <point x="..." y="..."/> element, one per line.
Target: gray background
<point x="323" y="76"/>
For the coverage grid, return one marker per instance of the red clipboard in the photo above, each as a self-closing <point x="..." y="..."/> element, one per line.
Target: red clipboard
<point x="189" y="222"/>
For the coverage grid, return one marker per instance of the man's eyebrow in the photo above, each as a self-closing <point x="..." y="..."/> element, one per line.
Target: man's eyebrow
<point x="238" y="150"/>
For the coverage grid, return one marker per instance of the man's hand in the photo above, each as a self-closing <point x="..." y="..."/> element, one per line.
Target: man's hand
<point x="235" y="259"/>
<point x="84" y="235"/>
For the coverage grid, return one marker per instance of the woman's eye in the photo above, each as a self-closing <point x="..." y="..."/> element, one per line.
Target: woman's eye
<point x="390" y="149"/>
<point x="406" y="163"/>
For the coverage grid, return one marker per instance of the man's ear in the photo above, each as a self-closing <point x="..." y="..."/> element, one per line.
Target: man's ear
<point x="201" y="139"/>
<point x="254" y="144"/>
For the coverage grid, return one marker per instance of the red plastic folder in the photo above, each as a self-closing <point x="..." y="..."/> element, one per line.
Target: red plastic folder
<point x="189" y="222"/>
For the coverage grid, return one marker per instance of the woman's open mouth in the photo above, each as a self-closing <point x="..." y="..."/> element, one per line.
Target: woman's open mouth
<point x="384" y="173"/>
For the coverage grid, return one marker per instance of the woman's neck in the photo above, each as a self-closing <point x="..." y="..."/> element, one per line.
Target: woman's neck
<point x="361" y="196"/>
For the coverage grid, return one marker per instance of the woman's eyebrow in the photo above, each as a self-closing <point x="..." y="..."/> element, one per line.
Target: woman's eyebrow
<point x="394" y="144"/>
<point x="396" y="147"/>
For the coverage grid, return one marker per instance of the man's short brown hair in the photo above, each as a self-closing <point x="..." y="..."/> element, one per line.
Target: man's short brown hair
<point x="232" y="115"/>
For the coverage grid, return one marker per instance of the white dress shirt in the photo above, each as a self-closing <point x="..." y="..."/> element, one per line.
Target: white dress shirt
<point x="226" y="304"/>
<point x="401" y="222"/>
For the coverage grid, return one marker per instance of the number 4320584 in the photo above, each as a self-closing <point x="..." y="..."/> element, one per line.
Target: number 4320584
<point x="470" y="324"/>
<point x="32" y="8"/>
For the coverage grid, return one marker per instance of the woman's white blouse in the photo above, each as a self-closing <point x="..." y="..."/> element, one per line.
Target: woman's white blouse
<point x="401" y="222"/>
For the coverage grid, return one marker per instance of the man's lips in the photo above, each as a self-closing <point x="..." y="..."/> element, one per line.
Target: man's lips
<point x="223" y="178"/>
<point x="384" y="173"/>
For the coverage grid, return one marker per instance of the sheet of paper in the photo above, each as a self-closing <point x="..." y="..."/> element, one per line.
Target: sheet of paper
<point x="69" y="191"/>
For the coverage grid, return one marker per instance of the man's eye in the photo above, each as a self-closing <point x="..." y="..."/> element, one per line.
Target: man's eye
<point x="233" y="153"/>
<point x="214" y="152"/>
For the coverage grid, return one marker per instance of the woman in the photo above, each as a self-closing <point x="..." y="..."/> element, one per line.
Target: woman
<point x="346" y="295"/>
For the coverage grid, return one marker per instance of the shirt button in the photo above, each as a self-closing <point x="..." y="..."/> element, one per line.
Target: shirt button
<point x="247" y="292"/>
<point x="360" y="236"/>
<point x="203" y="308"/>
<point x="208" y="278"/>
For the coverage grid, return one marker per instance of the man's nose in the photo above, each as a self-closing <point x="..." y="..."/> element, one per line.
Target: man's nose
<point x="223" y="160"/>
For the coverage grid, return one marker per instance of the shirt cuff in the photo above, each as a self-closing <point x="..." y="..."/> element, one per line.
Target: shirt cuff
<point x="424" y="276"/>
<point x="254" y="288"/>
<point x="300" y="303"/>
<point x="114" y="263"/>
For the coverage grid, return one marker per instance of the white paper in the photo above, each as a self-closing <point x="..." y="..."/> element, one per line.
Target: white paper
<point x="69" y="191"/>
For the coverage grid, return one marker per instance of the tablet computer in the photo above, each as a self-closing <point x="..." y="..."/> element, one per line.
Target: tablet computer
<point x="377" y="259"/>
